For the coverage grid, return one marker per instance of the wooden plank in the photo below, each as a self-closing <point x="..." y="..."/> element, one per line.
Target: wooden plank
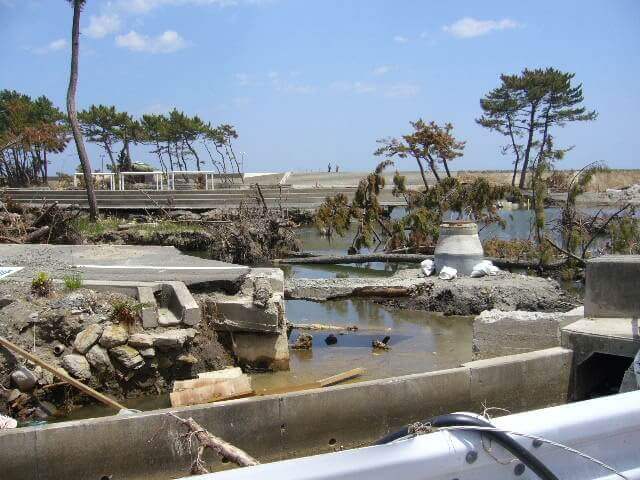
<point x="224" y="390"/>
<point x="341" y="377"/>
<point x="325" y="382"/>
<point x="225" y="373"/>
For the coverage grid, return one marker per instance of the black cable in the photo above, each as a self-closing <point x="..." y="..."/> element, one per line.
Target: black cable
<point x="505" y="440"/>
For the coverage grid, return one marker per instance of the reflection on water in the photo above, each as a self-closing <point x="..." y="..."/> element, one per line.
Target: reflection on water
<point x="420" y="342"/>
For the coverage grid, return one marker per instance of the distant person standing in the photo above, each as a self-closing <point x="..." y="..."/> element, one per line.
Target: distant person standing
<point x="329" y="168"/>
<point x="337" y="167"/>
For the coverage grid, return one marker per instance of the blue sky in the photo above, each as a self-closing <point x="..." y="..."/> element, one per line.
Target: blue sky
<point x="307" y="82"/>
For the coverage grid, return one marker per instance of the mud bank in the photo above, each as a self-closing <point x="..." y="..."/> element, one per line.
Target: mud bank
<point x="409" y="289"/>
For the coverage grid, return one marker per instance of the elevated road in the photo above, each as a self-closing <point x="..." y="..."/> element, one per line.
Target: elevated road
<point x="199" y="200"/>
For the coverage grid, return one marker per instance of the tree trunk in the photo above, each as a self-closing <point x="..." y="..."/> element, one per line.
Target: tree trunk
<point x="525" y="164"/>
<point x="73" y="115"/>
<point x="446" y="167"/>
<point x="424" y="177"/>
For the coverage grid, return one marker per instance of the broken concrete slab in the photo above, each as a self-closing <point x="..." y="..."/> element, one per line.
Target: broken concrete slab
<point x="497" y="333"/>
<point x="118" y="262"/>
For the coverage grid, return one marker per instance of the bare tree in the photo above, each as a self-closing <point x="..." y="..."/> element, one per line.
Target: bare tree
<point x="72" y="112"/>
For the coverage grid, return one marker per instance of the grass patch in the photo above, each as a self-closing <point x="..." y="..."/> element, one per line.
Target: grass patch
<point x="42" y="285"/>
<point x="90" y="229"/>
<point x="126" y="312"/>
<point x="73" y="282"/>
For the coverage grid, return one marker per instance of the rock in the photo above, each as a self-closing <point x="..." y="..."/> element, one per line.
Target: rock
<point x="173" y="339"/>
<point x="12" y="395"/>
<point x="113" y="336"/>
<point x="141" y="340"/>
<point x="44" y="376"/>
<point x="187" y="359"/>
<point x="262" y="292"/>
<point x="82" y="300"/>
<point x="303" y="342"/>
<point x="77" y="366"/>
<point x="99" y="359"/>
<point x="148" y="352"/>
<point x="127" y="356"/>
<point x="49" y="408"/>
<point x="164" y="363"/>
<point x="87" y="337"/>
<point x="24" y="379"/>
<point x="331" y="339"/>
<point x="4" y="301"/>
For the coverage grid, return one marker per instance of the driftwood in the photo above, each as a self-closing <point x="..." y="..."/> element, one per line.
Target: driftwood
<point x="218" y="445"/>
<point x="322" y="326"/>
<point x="45" y="214"/>
<point x="37" y="234"/>
<point x="360" y="258"/>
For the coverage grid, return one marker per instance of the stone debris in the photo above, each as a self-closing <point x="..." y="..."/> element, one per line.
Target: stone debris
<point x="87" y="337"/>
<point x="77" y="366"/>
<point x="173" y="339"/>
<point x="148" y="352"/>
<point x="24" y="379"/>
<point x="303" y="342"/>
<point x="113" y="336"/>
<point x="141" y="340"/>
<point x="127" y="356"/>
<point x="99" y="359"/>
<point x="187" y="359"/>
<point x="381" y="344"/>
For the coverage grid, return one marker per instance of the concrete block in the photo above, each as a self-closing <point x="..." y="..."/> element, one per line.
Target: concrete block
<point x="521" y="382"/>
<point x="497" y="333"/>
<point x="150" y="307"/>
<point x="183" y="305"/>
<point x="262" y="351"/>
<point x="239" y="313"/>
<point x="613" y="286"/>
<point x="274" y="275"/>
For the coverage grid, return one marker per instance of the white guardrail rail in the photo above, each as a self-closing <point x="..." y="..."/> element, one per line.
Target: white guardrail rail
<point x="606" y="429"/>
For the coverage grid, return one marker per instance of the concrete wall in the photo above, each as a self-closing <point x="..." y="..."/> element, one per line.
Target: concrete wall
<point x="497" y="333"/>
<point x="283" y="426"/>
<point x="612" y="286"/>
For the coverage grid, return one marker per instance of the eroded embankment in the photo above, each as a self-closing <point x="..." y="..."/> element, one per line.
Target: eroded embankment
<point x="409" y="289"/>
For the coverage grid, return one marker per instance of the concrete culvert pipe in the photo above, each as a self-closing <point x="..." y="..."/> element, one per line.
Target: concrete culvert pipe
<point x="58" y="348"/>
<point x="458" y="247"/>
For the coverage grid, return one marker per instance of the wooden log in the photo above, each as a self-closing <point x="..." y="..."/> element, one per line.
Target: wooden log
<point x="62" y="375"/>
<point x="37" y="234"/>
<point x="341" y="377"/>
<point x="218" y="445"/>
<point x="43" y="216"/>
<point x="360" y="258"/>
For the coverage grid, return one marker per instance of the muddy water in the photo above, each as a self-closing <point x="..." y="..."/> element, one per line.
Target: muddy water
<point x="420" y="342"/>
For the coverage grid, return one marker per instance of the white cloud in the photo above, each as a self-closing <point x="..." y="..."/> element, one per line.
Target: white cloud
<point x="243" y="79"/>
<point x="402" y="90"/>
<point x="353" y="87"/>
<point x="54" y="46"/>
<point x="170" y="41"/>
<point x="383" y="69"/>
<point x="102" y="25"/>
<point x="468" y="27"/>
<point x="400" y="39"/>
<point x="145" y="6"/>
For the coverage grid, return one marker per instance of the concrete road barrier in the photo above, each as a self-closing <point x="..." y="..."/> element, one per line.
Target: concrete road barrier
<point x="282" y="426"/>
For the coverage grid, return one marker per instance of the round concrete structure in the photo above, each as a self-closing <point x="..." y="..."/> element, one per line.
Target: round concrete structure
<point x="458" y="247"/>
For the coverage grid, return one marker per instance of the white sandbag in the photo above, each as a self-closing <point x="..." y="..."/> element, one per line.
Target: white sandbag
<point x="427" y="266"/>
<point x="7" y="422"/>
<point x="447" y="273"/>
<point x="485" y="267"/>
